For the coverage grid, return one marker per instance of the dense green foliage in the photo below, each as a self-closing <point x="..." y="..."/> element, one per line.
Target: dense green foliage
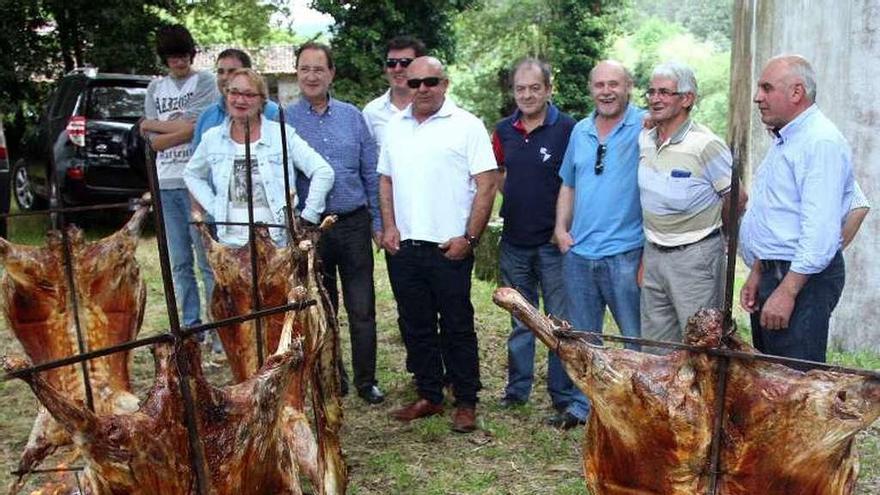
<point x="43" y="39"/>
<point x="362" y="29"/>
<point x="571" y="34"/>
<point x="656" y="41"/>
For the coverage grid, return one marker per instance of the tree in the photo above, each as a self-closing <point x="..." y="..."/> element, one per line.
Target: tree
<point x="580" y="33"/>
<point x="361" y="30"/>
<point x="245" y="23"/>
<point x="571" y="34"/>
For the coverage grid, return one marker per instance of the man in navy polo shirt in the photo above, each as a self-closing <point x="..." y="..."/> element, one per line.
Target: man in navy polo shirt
<point x="529" y="146"/>
<point x="599" y="216"/>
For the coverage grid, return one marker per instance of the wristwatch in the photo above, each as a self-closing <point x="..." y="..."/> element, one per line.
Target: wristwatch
<point x="472" y="240"/>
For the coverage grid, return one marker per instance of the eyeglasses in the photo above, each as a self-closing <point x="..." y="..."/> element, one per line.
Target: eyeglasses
<point x="427" y="81"/>
<point x="663" y="93"/>
<point x="316" y="70"/>
<point x="394" y="62"/>
<point x="221" y="71"/>
<point x="599" y="166"/>
<point x="234" y="93"/>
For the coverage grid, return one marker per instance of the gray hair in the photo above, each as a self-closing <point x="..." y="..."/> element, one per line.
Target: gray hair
<point x="544" y="67"/>
<point x="683" y="75"/>
<point x="800" y="68"/>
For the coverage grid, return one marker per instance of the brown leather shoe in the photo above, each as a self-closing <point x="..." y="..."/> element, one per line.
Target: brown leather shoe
<point x="418" y="409"/>
<point x="464" y="419"/>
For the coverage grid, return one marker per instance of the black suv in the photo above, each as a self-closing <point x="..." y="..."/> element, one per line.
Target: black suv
<point x="87" y="140"/>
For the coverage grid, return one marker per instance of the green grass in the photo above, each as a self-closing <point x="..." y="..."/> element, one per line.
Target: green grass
<point x="511" y="453"/>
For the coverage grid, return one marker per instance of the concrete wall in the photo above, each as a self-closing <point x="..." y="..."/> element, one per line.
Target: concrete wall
<point x="842" y="40"/>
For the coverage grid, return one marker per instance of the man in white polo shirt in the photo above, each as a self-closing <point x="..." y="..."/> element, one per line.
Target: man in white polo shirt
<point x="437" y="182"/>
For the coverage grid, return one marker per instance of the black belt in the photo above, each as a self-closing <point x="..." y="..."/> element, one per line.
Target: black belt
<point x="415" y="243"/>
<point x="343" y="216"/>
<point x="769" y="265"/>
<point x="667" y="249"/>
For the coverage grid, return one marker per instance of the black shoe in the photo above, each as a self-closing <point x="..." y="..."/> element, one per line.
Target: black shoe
<point x="564" y="421"/>
<point x="507" y="402"/>
<point x="371" y="395"/>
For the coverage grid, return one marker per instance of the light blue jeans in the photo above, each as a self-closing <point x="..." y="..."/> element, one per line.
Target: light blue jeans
<point x="528" y="270"/>
<point x="182" y="239"/>
<point x="590" y="286"/>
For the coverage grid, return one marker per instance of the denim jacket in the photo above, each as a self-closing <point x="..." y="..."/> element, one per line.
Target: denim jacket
<point x="209" y="172"/>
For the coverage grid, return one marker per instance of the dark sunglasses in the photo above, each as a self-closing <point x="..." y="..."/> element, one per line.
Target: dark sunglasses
<point x="394" y="62"/>
<point x="599" y="166"/>
<point x="427" y="81"/>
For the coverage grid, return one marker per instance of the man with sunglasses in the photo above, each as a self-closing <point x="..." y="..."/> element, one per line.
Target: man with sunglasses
<point x="529" y="146"/>
<point x="684" y="181"/>
<point x="598" y="217"/>
<point x="337" y="131"/>
<point x="402" y="50"/>
<point x="438" y="179"/>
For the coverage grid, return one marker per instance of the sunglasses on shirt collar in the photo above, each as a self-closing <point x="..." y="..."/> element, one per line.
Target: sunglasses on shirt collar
<point x="599" y="166"/>
<point x="430" y="82"/>
<point x="394" y="62"/>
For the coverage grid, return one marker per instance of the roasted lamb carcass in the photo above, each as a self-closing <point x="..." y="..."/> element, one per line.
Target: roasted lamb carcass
<point x="147" y="452"/>
<point x="650" y="432"/>
<point x="38" y="307"/>
<point x="279" y="269"/>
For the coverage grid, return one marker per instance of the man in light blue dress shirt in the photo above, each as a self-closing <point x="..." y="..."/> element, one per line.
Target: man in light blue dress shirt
<point x="792" y="231"/>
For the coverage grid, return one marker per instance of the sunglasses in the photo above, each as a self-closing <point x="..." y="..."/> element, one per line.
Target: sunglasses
<point x="599" y="166"/>
<point x="394" y="62"/>
<point x="427" y="81"/>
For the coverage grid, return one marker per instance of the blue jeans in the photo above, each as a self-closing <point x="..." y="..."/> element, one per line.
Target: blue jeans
<point x="528" y="269"/>
<point x="807" y="334"/>
<point x="590" y="286"/>
<point x="182" y="238"/>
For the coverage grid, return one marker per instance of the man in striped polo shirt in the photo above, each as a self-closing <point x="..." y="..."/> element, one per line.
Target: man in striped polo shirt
<point x="684" y="180"/>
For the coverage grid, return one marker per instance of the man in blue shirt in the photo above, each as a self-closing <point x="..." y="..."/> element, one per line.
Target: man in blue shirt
<point x="228" y="60"/>
<point x="599" y="217"/>
<point x="529" y="146"/>
<point x="792" y="231"/>
<point x="338" y="132"/>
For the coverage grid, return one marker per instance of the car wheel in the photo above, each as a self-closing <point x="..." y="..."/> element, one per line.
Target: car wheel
<point x="24" y="192"/>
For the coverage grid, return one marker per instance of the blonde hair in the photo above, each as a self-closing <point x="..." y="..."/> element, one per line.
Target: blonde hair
<point x="256" y="80"/>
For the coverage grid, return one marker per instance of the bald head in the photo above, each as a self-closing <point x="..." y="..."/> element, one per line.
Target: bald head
<point x="786" y="88"/>
<point x="426" y="77"/>
<point x="610" y="87"/>
<point x="611" y="67"/>
<point x="796" y="70"/>
<point x="427" y="64"/>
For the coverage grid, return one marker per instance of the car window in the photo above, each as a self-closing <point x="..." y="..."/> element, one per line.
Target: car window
<point x="66" y="98"/>
<point x="116" y="102"/>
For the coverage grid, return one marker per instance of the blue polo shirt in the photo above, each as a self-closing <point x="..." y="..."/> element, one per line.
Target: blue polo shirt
<point x="216" y="114"/>
<point x="531" y="162"/>
<point x="607" y="214"/>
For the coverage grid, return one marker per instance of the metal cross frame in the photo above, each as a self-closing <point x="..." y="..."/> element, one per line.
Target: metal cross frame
<point x="175" y="335"/>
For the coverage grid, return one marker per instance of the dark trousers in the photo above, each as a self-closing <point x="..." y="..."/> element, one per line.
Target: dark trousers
<point x="346" y="248"/>
<point x="434" y="301"/>
<point x="807" y="334"/>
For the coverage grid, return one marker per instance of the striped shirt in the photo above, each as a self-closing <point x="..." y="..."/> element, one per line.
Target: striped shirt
<point x="681" y="183"/>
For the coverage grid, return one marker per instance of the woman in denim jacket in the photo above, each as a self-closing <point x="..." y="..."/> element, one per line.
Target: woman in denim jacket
<point x="216" y="173"/>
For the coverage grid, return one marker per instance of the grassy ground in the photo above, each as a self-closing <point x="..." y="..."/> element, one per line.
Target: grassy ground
<point x="512" y="453"/>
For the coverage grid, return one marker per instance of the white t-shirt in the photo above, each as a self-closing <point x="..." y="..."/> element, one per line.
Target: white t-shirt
<point x="431" y="166"/>
<point x="238" y="201"/>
